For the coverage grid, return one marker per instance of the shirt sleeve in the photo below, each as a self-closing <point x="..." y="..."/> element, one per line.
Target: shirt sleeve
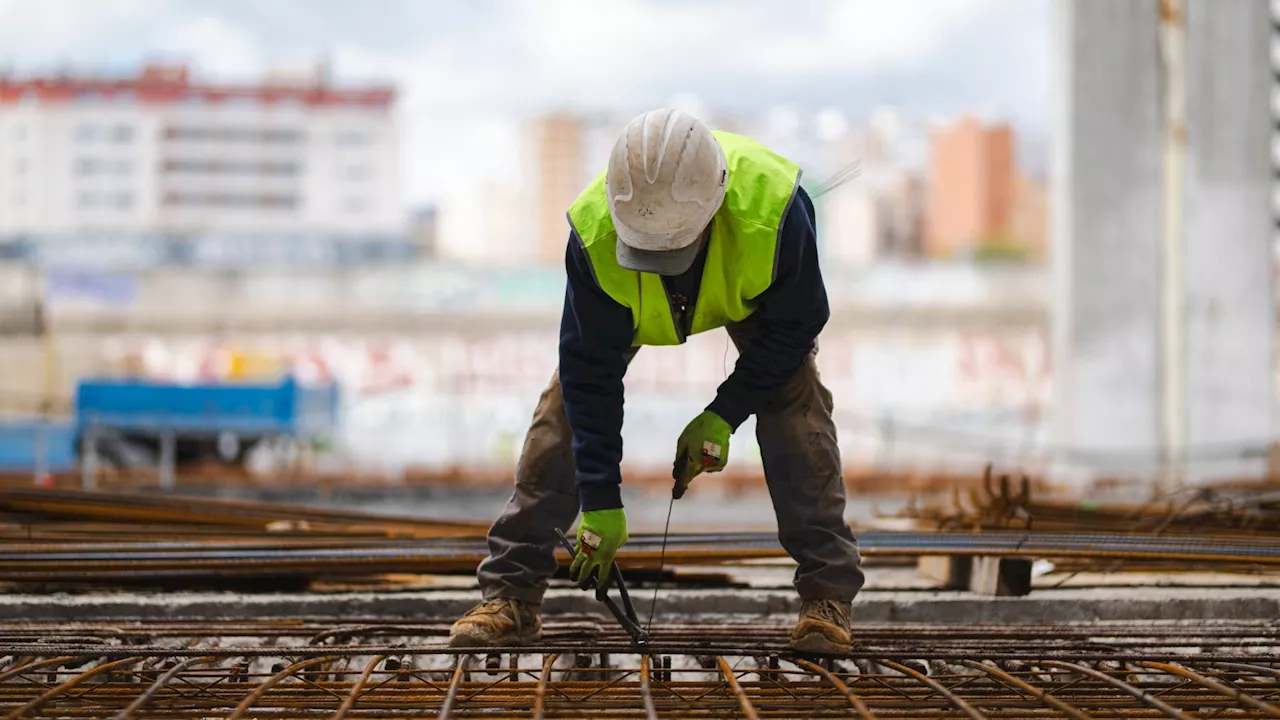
<point x="791" y="313"/>
<point x="595" y="346"/>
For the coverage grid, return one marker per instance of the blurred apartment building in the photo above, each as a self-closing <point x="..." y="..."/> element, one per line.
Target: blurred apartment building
<point x="561" y="153"/>
<point x="978" y="199"/>
<point x="560" y="173"/>
<point x="877" y="214"/>
<point x="161" y="153"/>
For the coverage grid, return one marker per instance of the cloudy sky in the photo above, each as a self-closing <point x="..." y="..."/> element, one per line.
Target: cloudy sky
<point x="469" y="70"/>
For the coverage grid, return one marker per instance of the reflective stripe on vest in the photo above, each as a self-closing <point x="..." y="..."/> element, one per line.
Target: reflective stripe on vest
<point x="741" y="251"/>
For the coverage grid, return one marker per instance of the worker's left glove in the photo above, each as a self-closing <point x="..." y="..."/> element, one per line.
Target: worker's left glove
<point x="600" y="534"/>
<point x="702" y="447"/>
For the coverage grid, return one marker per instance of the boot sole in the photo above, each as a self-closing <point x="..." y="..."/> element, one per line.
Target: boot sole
<point x="817" y="643"/>
<point x="471" y="641"/>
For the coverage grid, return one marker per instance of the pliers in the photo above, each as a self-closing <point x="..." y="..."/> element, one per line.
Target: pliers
<point x="626" y="615"/>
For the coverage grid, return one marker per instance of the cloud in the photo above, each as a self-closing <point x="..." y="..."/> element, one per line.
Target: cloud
<point x="469" y="72"/>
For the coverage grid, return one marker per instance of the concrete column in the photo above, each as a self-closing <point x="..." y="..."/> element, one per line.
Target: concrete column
<point x="1106" y="227"/>
<point x="1230" y="306"/>
<point x="1107" y="220"/>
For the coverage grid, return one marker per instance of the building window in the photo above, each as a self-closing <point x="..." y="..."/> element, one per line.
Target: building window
<point x="355" y="173"/>
<point x="282" y="136"/>
<point x="20" y="134"/>
<point x="122" y="167"/>
<point x="86" y="133"/>
<point x="122" y="134"/>
<point x="20" y="167"/>
<point x="88" y="166"/>
<point x="354" y="206"/>
<point x="232" y="167"/>
<point x="87" y="200"/>
<point x="231" y="200"/>
<point x="233" y="135"/>
<point x="124" y="201"/>
<point x="353" y="138"/>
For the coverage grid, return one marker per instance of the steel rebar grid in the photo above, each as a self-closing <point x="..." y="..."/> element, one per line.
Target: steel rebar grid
<point x="368" y="669"/>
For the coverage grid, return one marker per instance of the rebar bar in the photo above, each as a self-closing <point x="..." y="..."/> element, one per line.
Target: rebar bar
<point x="148" y="670"/>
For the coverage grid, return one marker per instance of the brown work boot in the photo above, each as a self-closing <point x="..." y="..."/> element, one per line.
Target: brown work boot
<point x="498" y="622"/>
<point x="823" y="627"/>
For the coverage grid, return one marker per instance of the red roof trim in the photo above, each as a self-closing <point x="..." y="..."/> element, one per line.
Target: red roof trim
<point x="148" y="91"/>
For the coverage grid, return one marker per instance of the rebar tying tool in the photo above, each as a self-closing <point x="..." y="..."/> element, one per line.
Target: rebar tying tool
<point x="626" y="615"/>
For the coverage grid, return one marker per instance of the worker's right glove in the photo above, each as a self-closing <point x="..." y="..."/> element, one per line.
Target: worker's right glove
<point x="600" y="534"/>
<point x="702" y="447"/>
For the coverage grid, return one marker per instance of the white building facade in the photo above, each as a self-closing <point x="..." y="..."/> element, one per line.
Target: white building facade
<point x="161" y="154"/>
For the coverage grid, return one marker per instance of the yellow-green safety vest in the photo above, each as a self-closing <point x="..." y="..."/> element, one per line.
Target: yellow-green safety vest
<point x="741" y="251"/>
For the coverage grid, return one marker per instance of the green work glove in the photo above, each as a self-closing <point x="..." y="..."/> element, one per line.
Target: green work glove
<point x="702" y="447"/>
<point x="600" y="534"/>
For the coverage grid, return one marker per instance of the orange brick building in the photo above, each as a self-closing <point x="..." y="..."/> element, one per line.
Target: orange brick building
<point x="972" y="187"/>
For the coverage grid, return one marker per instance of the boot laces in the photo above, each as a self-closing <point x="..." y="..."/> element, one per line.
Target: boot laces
<point x="828" y="611"/>
<point x="511" y="606"/>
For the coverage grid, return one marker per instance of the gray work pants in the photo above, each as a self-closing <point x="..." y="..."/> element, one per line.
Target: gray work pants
<point x="801" y="466"/>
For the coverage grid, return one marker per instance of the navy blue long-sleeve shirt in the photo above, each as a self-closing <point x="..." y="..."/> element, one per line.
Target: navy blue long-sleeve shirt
<point x="595" y="347"/>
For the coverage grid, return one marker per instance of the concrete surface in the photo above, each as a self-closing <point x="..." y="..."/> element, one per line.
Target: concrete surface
<point x="1087" y="604"/>
<point x="1229" y="223"/>
<point x="1107" y="222"/>
<point x="1106" y="227"/>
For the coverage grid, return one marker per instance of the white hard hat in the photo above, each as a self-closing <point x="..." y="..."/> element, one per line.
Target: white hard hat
<point x="666" y="179"/>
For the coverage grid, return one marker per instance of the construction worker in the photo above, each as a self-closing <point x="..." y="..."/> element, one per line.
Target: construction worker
<point x="685" y="231"/>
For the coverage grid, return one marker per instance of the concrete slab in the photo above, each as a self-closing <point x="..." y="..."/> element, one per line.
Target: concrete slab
<point x="1065" y="605"/>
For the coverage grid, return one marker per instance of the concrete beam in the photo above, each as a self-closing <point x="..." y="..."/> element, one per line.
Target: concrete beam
<point x="1117" y="371"/>
<point x="1230" y="323"/>
<point x="1106" y="227"/>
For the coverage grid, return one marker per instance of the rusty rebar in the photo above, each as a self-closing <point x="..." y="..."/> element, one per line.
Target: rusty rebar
<point x="856" y="702"/>
<point x="1231" y="692"/>
<point x="540" y="695"/>
<point x="454" y="683"/>
<point x="937" y="687"/>
<point x="358" y="687"/>
<point x="748" y="710"/>
<point x="1029" y="689"/>
<point x="159" y="684"/>
<point x="38" y="702"/>
<point x="1170" y="669"/>
<point x="1122" y="686"/>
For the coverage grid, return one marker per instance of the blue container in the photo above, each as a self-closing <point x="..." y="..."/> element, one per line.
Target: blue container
<point x="23" y="441"/>
<point x="207" y="410"/>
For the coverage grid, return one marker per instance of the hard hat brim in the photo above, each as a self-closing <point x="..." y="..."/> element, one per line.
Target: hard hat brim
<point x="660" y="262"/>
